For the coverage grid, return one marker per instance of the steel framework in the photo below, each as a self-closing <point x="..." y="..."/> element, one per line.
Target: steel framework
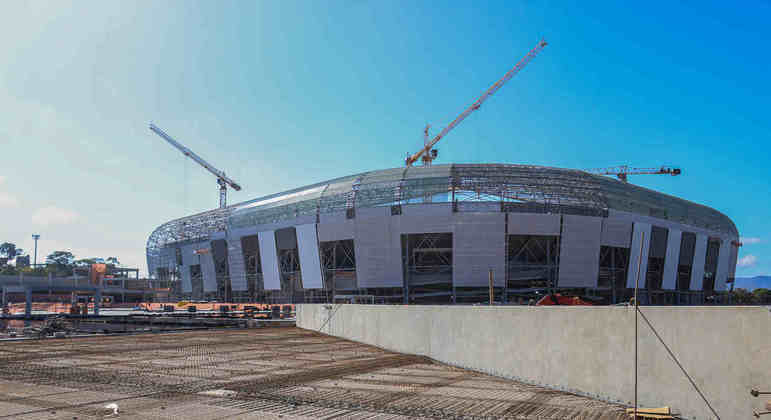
<point x="517" y="188"/>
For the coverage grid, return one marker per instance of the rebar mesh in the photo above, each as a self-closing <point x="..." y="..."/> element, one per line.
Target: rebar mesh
<point x="266" y="373"/>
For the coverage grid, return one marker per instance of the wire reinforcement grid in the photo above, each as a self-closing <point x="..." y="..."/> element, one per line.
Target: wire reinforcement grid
<point x="283" y="373"/>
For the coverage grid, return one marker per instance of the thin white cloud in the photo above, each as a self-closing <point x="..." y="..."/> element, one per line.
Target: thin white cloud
<point x="750" y="240"/>
<point x="747" y="261"/>
<point x="53" y="215"/>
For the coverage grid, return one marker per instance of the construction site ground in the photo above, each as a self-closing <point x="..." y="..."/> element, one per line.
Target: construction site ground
<point x="273" y="373"/>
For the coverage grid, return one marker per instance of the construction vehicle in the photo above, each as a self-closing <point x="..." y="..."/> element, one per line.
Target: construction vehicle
<point x="559" y="299"/>
<point x="622" y="172"/>
<point x="427" y="154"/>
<point x="222" y="180"/>
<point x="56" y="325"/>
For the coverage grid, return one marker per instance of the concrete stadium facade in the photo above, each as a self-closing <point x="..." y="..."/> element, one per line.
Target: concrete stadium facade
<point x="436" y="235"/>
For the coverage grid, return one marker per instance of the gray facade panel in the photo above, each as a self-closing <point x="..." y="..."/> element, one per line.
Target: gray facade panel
<point x="188" y="259"/>
<point x="168" y="258"/>
<point x="733" y="261"/>
<point x="672" y="259"/>
<point x="724" y="259"/>
<point x="476" y="207"/>
<point x="378" y="250"/>
<point x="336" y="230"/>
<point x="269" y="260"/>
<point x="534" y="224"/>
<point x="332" y="217"/>
<point x="479" y="244"/>
<point x="580" y="251"/>
<point x="638" y="254"/>
<point x="310" y="263"/>
<point x="208" y="272"/>
<point x="434" y="218"/>
<point x="617" y="233"/>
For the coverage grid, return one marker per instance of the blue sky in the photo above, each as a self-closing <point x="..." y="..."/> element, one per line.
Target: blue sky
<point x="286" y="93"/>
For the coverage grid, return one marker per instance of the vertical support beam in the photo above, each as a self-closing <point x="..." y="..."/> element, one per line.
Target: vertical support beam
<point x="28" y="302"/>
<point x="639" y="252"/>
<point x="672" y="259"/>
<point x="97" y="300"/>
<point x="310" y="261"/>
<point x="269" y="260"/>
<point x="491" y="284"/>
<point x="699" y="256"/>
<point x="723" y="262"/>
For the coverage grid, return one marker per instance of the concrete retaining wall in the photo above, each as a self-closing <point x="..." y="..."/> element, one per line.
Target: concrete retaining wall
<point x="588" y="350"/>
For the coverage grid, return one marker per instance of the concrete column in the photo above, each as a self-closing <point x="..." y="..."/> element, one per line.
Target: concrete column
<point x="672" y="259"/>
<point x="97" y="301"/>
<point x="723" y="265"/>
<point x="635" y="255"/>
<point x="28" y="302"/>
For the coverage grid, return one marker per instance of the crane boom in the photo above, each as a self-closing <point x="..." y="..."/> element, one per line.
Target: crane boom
<point x="489" y="92"/>
<point x="622" y="172"/>
<point x="222" y="179"/>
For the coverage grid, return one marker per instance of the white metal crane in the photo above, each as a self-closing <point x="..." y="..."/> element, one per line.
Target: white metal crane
<point x="222" y="180"/>
<point x="428" y="153"/>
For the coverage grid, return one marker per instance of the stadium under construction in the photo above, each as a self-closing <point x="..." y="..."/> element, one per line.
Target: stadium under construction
<point x="442" y="233"/>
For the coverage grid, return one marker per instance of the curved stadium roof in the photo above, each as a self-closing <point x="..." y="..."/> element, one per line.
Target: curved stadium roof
<point x="530" y="188"/>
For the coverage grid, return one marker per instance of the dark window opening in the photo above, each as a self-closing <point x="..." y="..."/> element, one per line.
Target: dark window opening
<point x="685" y="263"/>
<point x="710" y="264"/>
<point x="657" y="251"/>
<point x="532" y="261"/>
<point x="614" y="265"/>
<point x="338" y="259"/>
<point x="196" y="280"/>
<point x="250" y="247"/>
<point x="289" y="261"/>
<point x="219" y="250"/>
<point x="427" y="262"/>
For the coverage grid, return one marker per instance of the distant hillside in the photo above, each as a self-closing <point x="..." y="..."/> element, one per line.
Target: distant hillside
<point x="751" y="283"/>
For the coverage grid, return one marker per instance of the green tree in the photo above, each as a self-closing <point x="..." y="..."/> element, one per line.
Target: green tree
<point x="742" y="297"/>
<point x="60" y="262"/>
<point x="113" y="261"/>
<point x="762" y="295"/>
<point x="8" y="270"/>
<point x="8" y="249"/>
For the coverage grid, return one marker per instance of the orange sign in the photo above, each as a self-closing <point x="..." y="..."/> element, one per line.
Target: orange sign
<point x="98" y="272"/>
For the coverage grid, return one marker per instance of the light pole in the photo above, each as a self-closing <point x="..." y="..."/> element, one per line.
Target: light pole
<point x="35" y="237"/>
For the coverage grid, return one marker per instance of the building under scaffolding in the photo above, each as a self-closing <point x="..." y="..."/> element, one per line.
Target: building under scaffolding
<point x="434" y="234"/>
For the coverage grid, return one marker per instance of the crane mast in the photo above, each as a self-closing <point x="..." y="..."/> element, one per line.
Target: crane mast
<point x="222" y="180"/>
<point x="427" y="153"/>
<point x="622" y="172"/>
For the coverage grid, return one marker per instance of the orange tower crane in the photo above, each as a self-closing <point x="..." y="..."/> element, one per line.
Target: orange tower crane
<point x="427" y="154"/>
